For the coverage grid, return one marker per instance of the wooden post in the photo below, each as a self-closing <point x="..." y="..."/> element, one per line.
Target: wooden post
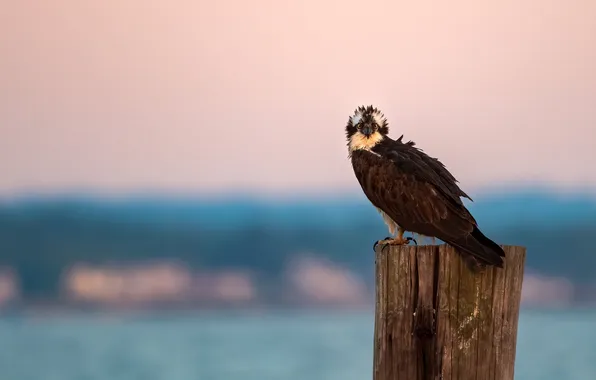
<point x="435" y="319"/>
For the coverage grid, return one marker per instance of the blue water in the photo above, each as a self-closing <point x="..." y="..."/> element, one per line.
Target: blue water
<point x="276" y="346"/>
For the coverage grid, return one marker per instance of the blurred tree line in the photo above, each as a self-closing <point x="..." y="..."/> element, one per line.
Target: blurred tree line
<point x="40" y="243"/>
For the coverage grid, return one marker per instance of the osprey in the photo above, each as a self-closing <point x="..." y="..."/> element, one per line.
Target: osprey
<point x="413" y="191"/>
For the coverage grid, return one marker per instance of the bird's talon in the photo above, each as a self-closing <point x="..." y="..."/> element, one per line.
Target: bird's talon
<point x="376" y="244"/>
<point x="393" y="241"/>
<point x="409" y="239"/>
<point x="384" y="242"/>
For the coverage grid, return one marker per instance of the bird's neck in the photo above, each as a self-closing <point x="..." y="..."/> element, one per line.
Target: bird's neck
<point x="358" y="141"/>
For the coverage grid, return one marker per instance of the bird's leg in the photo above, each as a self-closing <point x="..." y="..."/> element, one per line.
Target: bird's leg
<point x="399" y="240"/>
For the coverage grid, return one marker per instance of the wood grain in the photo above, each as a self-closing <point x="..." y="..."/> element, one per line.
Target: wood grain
<point x="435" y="319"/>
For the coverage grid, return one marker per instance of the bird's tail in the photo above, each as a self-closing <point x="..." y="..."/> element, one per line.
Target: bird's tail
<point x="481" y="248"/>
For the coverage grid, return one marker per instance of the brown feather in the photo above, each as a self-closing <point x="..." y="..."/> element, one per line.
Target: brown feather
<point x="417" y="193"/>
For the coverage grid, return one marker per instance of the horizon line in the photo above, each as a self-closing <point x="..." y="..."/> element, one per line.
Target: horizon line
<point x="484" y="192"/>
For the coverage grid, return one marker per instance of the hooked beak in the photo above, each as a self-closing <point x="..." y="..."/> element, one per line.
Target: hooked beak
<point x="367" y="130"/>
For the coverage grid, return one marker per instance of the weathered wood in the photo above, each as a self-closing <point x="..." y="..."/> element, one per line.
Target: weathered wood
<point x="436" y="319"/>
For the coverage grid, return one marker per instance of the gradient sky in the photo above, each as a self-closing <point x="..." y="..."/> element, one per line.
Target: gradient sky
<point x="212" y="96"/>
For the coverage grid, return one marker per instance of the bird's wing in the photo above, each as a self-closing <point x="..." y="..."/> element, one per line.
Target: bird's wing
<point x="421" y="198"/>
<point x="412" y="194"/>
<point x="443" y="176"/>
<point x="408" y="192"/>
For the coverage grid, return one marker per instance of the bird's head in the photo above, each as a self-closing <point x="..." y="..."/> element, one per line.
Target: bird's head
<point x="366" y="128"/>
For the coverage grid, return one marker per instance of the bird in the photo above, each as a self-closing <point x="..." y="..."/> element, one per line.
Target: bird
<point x="413" y="191"/>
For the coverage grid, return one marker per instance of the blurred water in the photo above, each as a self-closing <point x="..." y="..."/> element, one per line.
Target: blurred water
<point x="288" y="345"/>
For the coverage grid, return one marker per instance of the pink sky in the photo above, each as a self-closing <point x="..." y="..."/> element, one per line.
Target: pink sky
<point x="205" y="96"/>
